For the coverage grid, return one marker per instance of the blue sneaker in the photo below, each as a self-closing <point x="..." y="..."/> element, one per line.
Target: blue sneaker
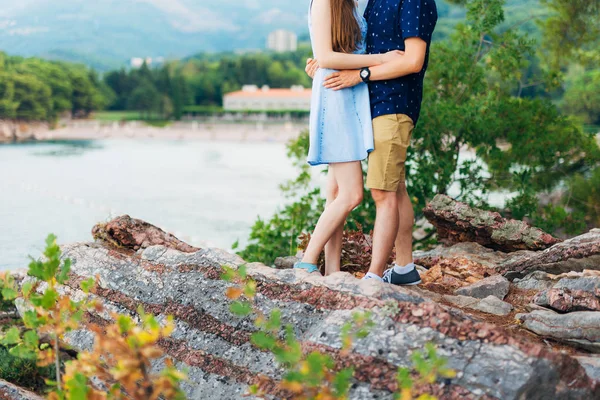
<point x="310" y="268"/>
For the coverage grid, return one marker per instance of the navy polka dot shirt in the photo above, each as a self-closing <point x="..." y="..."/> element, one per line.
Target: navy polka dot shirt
<point x="390" y="23"/>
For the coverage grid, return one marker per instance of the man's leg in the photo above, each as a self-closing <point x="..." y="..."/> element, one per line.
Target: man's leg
<point x="404" y="240"/>
<point x="386" y="178"/>
<point x="386" y="229"/>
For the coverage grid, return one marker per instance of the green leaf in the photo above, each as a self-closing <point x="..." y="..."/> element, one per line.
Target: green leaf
<point x="263" y="340"/>
<point x="125" y="324"/>
<point x="78" y="387"/>
<point x="31" y="339"/>
<point x="87" y="285"/>
<point x="241" y="308"/>
<point x="228" y="274"/>
<point x="23" y="352"/>
<point x="48" y="300"/>
<point x="9" y="294"/>
<point x="31" y="319"/>
<point x="11" y="337"/>
<point x="63" y="276"/>
<point x="404" y="379"/>
<point x="27" y="288"/>
<point x="51" y="240"/>
<point x="242" y="271"/>
<point x="36" y="270"/>
<point x="342" y="382"/>
<point x="274" y="322"/>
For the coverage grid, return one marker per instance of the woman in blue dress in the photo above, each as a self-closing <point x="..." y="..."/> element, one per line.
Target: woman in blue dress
<point x="341" y="132"/>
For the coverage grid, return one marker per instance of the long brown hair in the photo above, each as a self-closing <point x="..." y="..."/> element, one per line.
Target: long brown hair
<point x="345" y="31"/>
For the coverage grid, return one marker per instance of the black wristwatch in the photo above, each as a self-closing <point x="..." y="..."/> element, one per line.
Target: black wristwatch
<point x="365" y="74"/>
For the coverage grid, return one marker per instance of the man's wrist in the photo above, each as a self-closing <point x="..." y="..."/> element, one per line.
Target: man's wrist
<point x="365" y="74"/>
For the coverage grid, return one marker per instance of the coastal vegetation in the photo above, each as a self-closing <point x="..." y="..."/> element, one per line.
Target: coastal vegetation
<point x="33" y="89"/>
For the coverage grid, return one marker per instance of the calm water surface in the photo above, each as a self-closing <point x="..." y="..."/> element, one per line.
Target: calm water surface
<point x="207" y="193"/>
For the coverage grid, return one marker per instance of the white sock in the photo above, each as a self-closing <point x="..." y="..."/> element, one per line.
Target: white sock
<point x="404" y="270"/>
<point x="370" y="275"/>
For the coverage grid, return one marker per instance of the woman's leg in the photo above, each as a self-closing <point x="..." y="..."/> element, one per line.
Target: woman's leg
<point x="333" y="248"/>
<point x="350" y="182"/>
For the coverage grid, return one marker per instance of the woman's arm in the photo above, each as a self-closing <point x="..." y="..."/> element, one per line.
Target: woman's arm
<point x="321" y="22"/>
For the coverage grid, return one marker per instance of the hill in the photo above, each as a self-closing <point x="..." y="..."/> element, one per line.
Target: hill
<point x="106" y="33"/>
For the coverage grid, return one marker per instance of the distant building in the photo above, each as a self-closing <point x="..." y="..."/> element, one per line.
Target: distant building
<point x="282" y="41"/>
<point x="137" y="62"/>
<point x="251" y="98"/>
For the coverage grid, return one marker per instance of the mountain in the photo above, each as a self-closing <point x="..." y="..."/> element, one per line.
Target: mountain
<point x="107" y="33"/>
<point x="113" y="31"/>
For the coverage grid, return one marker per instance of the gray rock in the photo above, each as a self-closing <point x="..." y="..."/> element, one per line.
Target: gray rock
<point x="591" y="365"/>
<point x="580" y="328"/>
<point x="496" y="285"/>
<point x="8" y="391"/>
<point x="462" y="301"/>
<point x="489" y="305"/>
<point x="577" y="254"/>
<point x="589" y="284"/>
<point x="537" y="280"/>
<point x="286" y="262"/>
<point x="572" y="294"/>
<point x="493" y="305"/>
<point x="458" y="222"/>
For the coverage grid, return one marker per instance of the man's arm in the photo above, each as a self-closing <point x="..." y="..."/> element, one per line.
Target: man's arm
<point x="410" y="63"/>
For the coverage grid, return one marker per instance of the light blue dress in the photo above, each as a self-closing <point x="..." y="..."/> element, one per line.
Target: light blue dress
<point x="341" y="129"/>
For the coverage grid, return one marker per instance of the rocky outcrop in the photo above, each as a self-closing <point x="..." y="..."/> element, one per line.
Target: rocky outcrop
<point x="134" y="234"/>
<point x="8" y="391"/>
<point x="574" y="255"/>
<point x="457" y="222"/>
<point x="497" y="286"/>
<point x="580" y="328"/>
<point x="215" y="346"/>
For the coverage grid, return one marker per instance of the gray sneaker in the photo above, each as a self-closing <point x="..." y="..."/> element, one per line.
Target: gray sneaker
<point x="410" y="279"/>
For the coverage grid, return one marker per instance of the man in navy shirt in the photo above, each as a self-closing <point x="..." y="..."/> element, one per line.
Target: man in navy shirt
<point x="396" y="90"/>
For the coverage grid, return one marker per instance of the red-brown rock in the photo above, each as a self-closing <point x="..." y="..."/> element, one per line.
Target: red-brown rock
<point x="134" y="234"/>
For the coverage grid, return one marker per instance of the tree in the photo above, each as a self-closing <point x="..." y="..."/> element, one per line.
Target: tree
<point x="8" y="105"/>
<point x="56" y="77"/>
<point x="87" y="96"/>
<point x="145" y="99"/>
<point x="33" y="96"/>
<point x="582" y="96"/>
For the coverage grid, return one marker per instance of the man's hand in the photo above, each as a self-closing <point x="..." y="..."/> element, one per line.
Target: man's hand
<point x="343" y="79"/>
<point x="312" y="65"/>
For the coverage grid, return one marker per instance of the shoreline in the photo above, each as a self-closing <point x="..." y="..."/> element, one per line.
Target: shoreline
<point x="280" y="132"/>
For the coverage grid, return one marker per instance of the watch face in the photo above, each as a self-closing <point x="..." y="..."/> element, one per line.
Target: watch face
<point x="364" y="74"/>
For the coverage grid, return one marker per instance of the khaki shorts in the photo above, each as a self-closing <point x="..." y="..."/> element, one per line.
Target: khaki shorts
<point x="387" y="169"/>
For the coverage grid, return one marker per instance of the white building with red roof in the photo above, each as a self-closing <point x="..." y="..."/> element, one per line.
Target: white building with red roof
<point x="253" y="98"/>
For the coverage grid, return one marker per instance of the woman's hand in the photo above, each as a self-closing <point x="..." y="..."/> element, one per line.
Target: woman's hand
<point x="342" y="80"/>
<point x="312" y="65"/>
<point x="391" y="56"/>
